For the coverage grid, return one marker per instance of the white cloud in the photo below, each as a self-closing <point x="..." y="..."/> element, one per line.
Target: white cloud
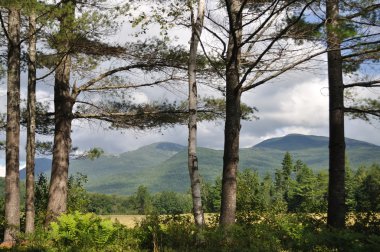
<point x="2" y="170"/>
<point x="288" y="130"/>
<point x="297" y="103"/>
<point x="302" y="105"/>
<point x="140" y="98"/>
<point x="2" y="166"/>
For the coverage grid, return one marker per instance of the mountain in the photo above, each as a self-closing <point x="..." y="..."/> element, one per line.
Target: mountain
<point x="163" y="166"/>
<point x="42" y="165"/>
<point x="298" y="142"/>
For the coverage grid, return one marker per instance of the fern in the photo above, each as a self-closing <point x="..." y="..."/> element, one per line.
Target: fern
<point x="84" y="232"/>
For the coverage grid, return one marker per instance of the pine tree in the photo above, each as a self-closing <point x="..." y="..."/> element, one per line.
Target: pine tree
<point x="12" y="190"/>
<point x="336" y="204"/>
<point x="249" y="64"/>
<point x="31" y="124"/>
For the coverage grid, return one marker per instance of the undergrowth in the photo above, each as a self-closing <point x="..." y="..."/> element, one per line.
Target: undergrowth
<point x="252" y="232"/>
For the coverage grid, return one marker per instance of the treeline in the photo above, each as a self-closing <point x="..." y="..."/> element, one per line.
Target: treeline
<point x="293" y="188"/>
<point x="296" y="188"/>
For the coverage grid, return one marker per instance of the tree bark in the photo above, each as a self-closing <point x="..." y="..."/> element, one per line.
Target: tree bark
<point x="233" y="115"/>
<point x="31" y="127"/>
<point x="12" y="190"/>
<point x="336" y="195"/>
<point x="195" y="179"/>
<point x="63" y="105"/>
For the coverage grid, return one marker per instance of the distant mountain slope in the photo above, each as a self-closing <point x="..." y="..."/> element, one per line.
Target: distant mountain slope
<point x="298" y="142"/>
<point x="122" y="174"/>
<point x="163" y="166"/>
<point x="43" y="165"/>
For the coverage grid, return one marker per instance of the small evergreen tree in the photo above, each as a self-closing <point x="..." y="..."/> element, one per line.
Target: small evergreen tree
<point x="142" y="200"/>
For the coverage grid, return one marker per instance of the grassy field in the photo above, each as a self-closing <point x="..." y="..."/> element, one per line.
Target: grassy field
<point x="131" y="220"/>
<point x="127" y="220"/>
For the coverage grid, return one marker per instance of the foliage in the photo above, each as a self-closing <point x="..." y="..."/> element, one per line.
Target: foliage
<point x="367" y="196"/>
<point x="87" y="232"/>
<point x="41" y="197"/>
<point x="211" y="196"/>
<point x="368" y="192"/>
<point x="268" y="232"/>
<point x="2" y="216"/>
<point x="299" y="187"/>
<point x="248" y="192"/>
<point x="163" y="232"/>
<point x="109" y="204"/>
<point x="78" y="199"/>
<point x="172" y="203"/>
<point x="261" y="225"/>
<point x="44" y="118"/>
<point x="44" y="147"/>
<point x="365" y="109"/>
<point x="77" y="195"/>
<point x="211" y="108"/>
<point x="304" y="195"/>
<point x="2" y="121"/>
<point x="94" y="153"/>
<point x="142" y="201"/>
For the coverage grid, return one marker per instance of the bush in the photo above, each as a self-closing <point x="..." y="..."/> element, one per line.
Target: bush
<point x="88" y="232"/>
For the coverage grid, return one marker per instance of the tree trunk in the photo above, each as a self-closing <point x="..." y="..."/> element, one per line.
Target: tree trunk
<point x="12" y="190"/>
<point x="63" y="105"/>
<point x="233" y="116"/>
<point x="192" y="145"/>
<point x="336" y="194"/>
<point x="31" y="127"/>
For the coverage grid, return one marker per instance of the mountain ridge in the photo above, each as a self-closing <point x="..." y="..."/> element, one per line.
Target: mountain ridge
<point x="298" y="141"/>
<point x="163" y="165"/>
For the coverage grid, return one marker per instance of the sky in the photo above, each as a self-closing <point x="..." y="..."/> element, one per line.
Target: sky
<point x="296" y="102"/>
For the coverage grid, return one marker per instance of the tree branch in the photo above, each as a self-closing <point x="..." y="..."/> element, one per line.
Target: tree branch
<point x="374" y="83"/>
<point x="289" y="67"/>
<point x="3" y="26"/>
<point x="93" y="81"/>
<point x="362" y="11"/>
<point x="127" y="86"/>
<point x="275" y="39"/>
<point x="364" y="112"/>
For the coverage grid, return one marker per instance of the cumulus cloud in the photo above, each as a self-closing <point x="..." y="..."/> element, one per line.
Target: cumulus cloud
<point x="301" y="105"/>
<point x="296" y="103"/>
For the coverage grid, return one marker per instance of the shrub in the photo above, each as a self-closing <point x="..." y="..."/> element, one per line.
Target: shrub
<point x="88" y="232"/>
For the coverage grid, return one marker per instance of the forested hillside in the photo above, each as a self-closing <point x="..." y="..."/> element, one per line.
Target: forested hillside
<point x="162" y="166"/>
